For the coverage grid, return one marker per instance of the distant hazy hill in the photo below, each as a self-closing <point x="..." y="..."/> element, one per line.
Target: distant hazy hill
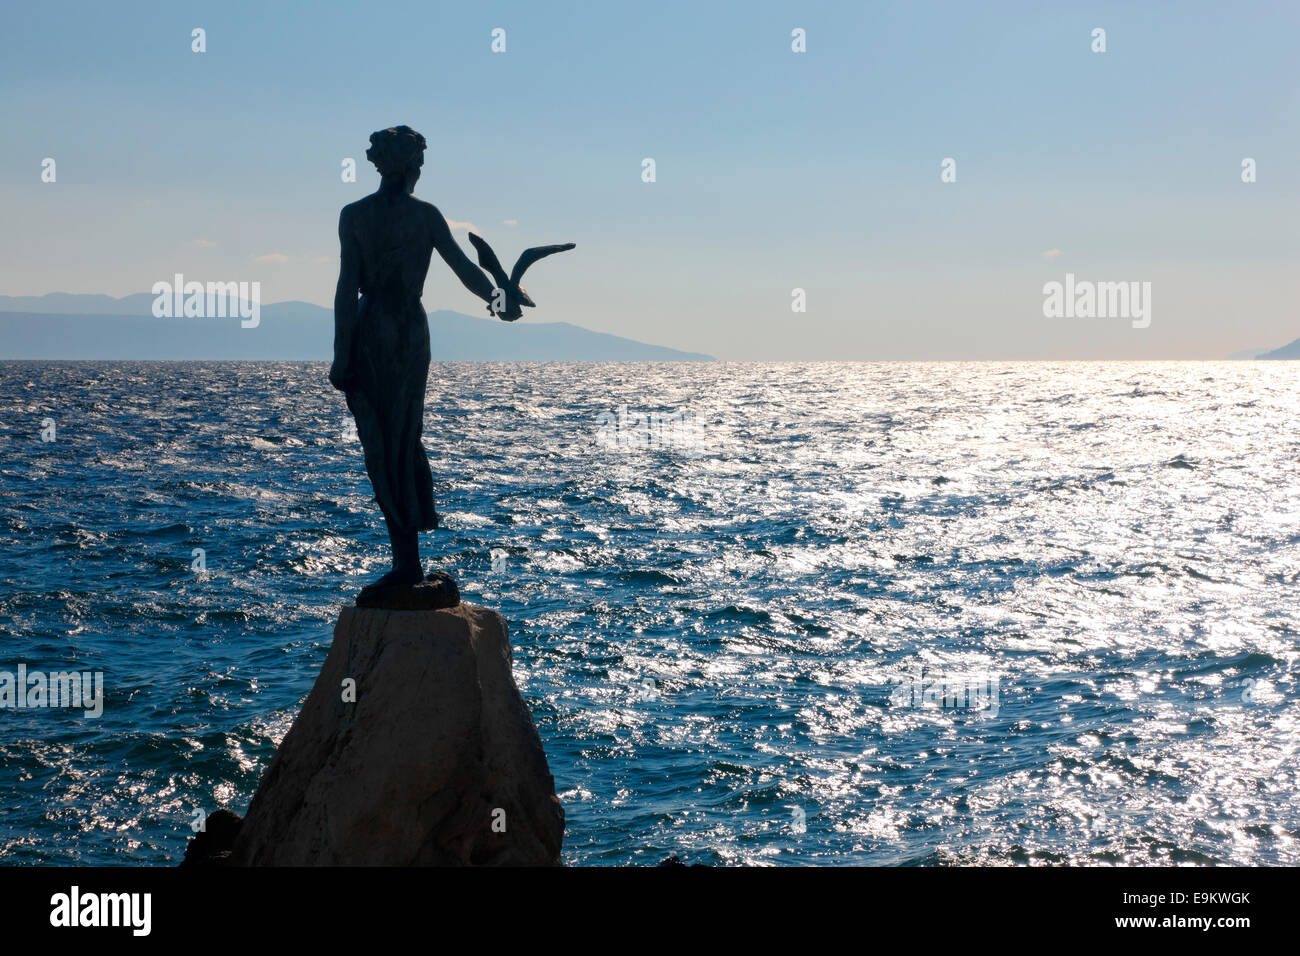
<point x="64" y="326"/>
<point x="68" y="303"/>
<point x="1291" y="351"/>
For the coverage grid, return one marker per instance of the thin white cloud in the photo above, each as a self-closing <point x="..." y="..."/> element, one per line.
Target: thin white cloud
<point x="204" y="243"/>
<point x="1051" y="253"/>
<point x="512" y="222"/>
<point x="276" y="257"/>
<point x="468" y="226"/>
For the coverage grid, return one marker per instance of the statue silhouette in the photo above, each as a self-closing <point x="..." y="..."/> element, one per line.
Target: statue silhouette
<point x="381" y="340"/>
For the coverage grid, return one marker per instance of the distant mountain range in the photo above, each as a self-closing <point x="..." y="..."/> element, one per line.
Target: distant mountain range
<point x="1289" y="351"/>
<point x="68" y="326"/>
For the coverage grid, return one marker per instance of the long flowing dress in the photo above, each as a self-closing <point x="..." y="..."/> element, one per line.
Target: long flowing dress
<point x="390" y="357"/>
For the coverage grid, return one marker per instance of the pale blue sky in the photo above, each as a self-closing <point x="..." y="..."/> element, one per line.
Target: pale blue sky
<point x="775" y="170"/>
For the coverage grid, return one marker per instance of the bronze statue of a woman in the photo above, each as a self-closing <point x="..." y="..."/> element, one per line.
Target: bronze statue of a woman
<point x="381" y="340"/>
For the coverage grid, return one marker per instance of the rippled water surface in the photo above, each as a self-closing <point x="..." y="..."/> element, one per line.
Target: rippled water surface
<point x="711" y="631"/>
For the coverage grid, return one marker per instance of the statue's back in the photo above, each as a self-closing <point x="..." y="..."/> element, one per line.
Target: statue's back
<point x="395" y="245"/>
<point x="390" y="353"/>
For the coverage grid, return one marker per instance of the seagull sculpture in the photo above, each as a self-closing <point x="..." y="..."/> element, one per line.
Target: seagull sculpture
<point x="489" y="261"/>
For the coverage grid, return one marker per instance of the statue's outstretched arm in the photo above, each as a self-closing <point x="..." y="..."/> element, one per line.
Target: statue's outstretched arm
<point x="469" y="274"/>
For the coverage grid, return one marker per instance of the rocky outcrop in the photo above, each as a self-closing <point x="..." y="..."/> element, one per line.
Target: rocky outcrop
<point x="211" y="846"/>
<point x="413" y="748"/>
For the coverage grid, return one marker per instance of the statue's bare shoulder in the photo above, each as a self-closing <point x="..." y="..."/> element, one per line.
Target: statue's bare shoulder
<point x="348" y="214"/>
<point x="352" y="208"/>
<point x="429" y="211"/>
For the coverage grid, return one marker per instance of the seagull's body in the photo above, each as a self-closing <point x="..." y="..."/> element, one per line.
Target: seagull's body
<point x="489" y="261"/>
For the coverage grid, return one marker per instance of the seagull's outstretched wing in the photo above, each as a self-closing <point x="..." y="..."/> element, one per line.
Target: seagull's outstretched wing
<point x="529" y="256"/>
<point x="489" y="261"/>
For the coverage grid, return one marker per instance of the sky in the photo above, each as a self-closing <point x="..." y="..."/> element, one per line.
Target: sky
<point x="775" y="170"/>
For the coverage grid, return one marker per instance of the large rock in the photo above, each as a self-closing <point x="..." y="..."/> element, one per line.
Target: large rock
<point x="436" y="761"/>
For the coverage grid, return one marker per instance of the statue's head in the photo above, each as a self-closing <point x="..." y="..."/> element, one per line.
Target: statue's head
<point x="398" y="154"/>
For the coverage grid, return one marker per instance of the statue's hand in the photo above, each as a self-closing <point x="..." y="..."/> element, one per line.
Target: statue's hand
<point x="340" y="376"/>
<point x="512" y="310"/>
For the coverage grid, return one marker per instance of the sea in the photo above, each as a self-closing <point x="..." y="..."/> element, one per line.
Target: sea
<point x="768" y="614"/>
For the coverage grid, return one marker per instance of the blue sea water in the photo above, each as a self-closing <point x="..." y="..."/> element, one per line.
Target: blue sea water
<point x="714" y="628"/>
